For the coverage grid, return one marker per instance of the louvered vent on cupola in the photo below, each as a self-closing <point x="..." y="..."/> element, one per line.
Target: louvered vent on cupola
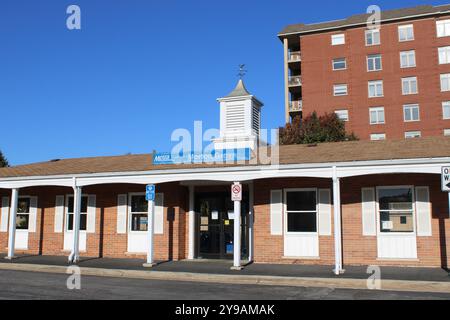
<point x="240" y="120"/>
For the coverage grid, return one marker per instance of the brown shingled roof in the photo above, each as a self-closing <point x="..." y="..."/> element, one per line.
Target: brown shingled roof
<point x="433" y="147"/>
<point x="362" y="19"/>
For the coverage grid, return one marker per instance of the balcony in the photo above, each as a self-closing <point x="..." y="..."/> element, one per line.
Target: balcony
<point x="296" y="106"/>
<point x="295" y="56"/>
<point x="295" y="81"/>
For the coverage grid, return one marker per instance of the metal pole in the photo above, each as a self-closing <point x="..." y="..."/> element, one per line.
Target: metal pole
<point x="191" y="254"/>
<point x="237" y="236"/>
<point x="337" y="223"/>
<point x="75" y="254"/>
<point x="150" y="230"/>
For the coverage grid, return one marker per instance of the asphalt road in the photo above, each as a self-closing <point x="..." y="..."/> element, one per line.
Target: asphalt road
<point x="30" y="286"/>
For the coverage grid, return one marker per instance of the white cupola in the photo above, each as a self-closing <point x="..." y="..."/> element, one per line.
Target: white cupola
<point x="240" y="120"/>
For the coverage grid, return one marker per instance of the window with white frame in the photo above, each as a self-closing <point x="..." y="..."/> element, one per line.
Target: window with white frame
<point x="445" y="82"/>
<point x="447" y="132"/>
<point x="378" y="137"/>
<point x="376" y="89"/>
<point x="376" y="115"/>
<point x="443" y="28"/>
<point x="409" y="85"/>
<point x="406" y="33"/>
<point x="342" y="115"/>
<point x="373" y="37"/>
<point x="413" y="134"/>
<point x="408" y="59"/>
<point x="83" y="213"/>
<point x="337" y="39"/>
<point x="23" y="213"/>
<point x="374" y="62"/>
<point x="446" y="110"/>
<point x="340" y="90"/>
<point x="138" y="212"/>
<point x="301" y="211"/>
<point x="444" y="55"/>
<point x="339" y="64"/>
<point x="411" y="112"/>
<point x="395" y="209"/>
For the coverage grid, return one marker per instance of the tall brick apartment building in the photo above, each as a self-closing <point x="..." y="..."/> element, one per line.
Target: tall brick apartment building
<point x="388" y="82"/>
<point x="335" y="204"/>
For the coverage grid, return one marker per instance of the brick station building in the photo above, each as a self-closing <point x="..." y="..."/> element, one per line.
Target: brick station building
<point x="337" y="204"/>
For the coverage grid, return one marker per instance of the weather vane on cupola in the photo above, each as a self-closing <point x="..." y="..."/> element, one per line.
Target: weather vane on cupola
<point x="242" y="71"/>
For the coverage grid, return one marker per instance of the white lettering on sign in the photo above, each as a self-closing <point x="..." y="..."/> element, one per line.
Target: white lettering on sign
<point x="446" y="179"/>
<point x="236" y="192"/>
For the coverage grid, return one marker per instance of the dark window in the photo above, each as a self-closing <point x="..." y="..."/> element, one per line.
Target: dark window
<point x="301" y="201"/>
<point x="23" y="205"/>
<point x="83" y="221"/>
<point x="302" y="222"/>
<point x="139" y="204"/>
<point x="84" y="205"/>
<point x="22" y="221"/>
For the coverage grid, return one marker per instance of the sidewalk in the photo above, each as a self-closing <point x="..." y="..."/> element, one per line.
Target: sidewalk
<point x="393" y="278"/>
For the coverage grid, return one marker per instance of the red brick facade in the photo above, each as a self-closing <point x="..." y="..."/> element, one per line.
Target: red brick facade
<point x="318" y="78"/>
<point x="173" y="244"/>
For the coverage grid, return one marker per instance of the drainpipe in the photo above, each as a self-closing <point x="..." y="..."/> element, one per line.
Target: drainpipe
<point x="337" y="222"/>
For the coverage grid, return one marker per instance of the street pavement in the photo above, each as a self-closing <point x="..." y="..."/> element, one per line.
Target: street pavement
<point x="29" y="285"/>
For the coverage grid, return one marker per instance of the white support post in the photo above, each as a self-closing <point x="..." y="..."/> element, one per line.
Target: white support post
<point x="12" y="224"/>
<point x="75" y="254"/>
<point x="337" y="223"/>
<point x="251" y="215"/>
<point x="191" y="255"/>
<point x="150" y="232"/>
<point x="237" y="237"/>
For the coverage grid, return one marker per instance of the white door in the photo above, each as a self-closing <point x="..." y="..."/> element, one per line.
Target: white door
<point x="68" y="223"/>
<point x="396" y="228"/>
<point x="25" y="221"/>
<point x="301" y="237"/>
<point x="138" y="218"/>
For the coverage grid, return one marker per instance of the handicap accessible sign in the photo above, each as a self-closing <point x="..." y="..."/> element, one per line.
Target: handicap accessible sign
<point x="215" y="156"/>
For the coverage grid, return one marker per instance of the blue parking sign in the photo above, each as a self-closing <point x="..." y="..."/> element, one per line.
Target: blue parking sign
<point x="150" y="192"/>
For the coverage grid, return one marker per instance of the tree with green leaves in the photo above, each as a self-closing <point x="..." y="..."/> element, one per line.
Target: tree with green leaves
<point x="3" y="161"/>
<point x="314" y="129"/>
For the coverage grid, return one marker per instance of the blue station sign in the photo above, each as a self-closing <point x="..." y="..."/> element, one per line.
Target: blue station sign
<point x="215" y="156"/>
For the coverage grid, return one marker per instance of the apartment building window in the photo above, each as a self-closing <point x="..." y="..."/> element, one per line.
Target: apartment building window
<point x="83" y="213"/>
<point x="23" y="213"/>
<point x="409" y="85"/>
<point x="374" y="62"/>
<point x="413" y="134"/>
<point x="337" y="39"/>
<point x="376" y="89"/>
<point x="378" y="136"/>
<point x="408" y="59"/>
<point x="411" y="112"/>
<point x="340" y="90"/>
<point x="339" y="64"/>
<point x="376" y="115"/>
<point x="446" y="110"/>
<point x="447" y="132"/>
<point x="443" y="28"/>
<point x="444" y="55"/>
<point x="373" y="37"/>
<point x="406" y="33"/>
<point x="342" y="115"/>
<point x="445" y="82"/>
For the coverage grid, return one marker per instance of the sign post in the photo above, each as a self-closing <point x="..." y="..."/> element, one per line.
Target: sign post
<point x="150" y="197"/>
<point x="445" y="182"/>
<point x="236" y="196"/>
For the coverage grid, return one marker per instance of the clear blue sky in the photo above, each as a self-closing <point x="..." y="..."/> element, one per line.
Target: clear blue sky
<point x="139" y="69"/>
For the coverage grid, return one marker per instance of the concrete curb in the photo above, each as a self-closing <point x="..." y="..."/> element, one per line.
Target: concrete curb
<point x="361" y="284"/>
